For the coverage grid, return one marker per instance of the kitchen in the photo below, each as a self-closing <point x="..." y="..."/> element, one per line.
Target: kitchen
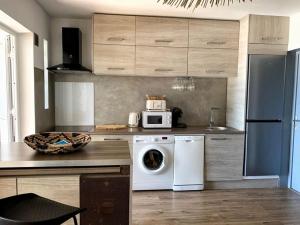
<point x="204" y="103"/>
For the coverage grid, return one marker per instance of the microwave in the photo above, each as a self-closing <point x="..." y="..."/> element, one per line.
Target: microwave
<point x="161" y="119"/>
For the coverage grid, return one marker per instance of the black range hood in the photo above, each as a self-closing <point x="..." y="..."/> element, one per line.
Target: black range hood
<point x="71" y="49"/>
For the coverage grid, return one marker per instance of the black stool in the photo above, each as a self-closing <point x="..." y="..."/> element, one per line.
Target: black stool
<point x="31" y="209"/>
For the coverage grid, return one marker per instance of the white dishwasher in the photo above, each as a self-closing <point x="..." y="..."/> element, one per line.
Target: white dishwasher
<point x="188" y="163"/>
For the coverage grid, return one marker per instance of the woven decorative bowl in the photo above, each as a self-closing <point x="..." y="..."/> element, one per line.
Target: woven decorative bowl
<point x="55" y="143"/>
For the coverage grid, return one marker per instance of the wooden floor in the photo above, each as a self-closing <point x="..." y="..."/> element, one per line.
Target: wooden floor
<point x="236" y="207"/>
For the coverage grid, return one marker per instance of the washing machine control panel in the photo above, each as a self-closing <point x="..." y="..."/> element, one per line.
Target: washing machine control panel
<point x="163" y="139"/>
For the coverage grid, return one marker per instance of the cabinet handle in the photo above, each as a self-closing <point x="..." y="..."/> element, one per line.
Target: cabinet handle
<point x="116" y="39"/>
<point x="112" y="139"/>
<point x="216" y="42"/>
<point x="271" y="38"/>
<point x="164" y="40"/>
<point x="163" y="70"/>
<point x="214" y="71"/>
<point x="116" y="68"/>
<point x="220" y="139"/>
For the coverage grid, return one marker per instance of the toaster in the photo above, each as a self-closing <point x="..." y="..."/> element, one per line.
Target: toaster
<point x="156" y="105"/>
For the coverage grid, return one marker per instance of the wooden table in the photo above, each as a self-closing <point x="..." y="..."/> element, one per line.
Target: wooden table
<point x="96" y="177"/>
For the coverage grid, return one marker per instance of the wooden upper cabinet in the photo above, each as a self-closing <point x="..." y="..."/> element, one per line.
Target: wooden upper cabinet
<point x="269" y="30"/>
<point x="114" y="60"/>
<point x="114" y="29"/>
<point x="160" y="31"/>
<point x="213" y="34"/>
<point x="161" y="61"/>
<point x="212" y="62"/>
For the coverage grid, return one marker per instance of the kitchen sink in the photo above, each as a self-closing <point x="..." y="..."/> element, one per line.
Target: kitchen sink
<point x="216" y="128"/>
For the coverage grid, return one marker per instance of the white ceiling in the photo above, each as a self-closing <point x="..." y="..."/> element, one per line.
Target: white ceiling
<point x="85" y="8"/>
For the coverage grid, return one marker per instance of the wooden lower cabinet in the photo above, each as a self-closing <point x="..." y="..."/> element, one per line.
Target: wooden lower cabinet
<point x="128" y="138"/>
<point x="63" y="189"/>
<point x="106" y="199"/>
<point x="8" y="187"/>
<point x="224" y="155"/>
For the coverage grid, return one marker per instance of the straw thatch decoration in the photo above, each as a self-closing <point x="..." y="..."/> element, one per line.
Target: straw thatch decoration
<point x="198" y="3"/>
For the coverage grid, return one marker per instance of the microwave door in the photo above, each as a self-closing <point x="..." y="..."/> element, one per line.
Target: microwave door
<point x="155" y="120"/>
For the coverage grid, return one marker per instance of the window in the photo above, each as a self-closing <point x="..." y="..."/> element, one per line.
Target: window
<point x="46" y="76"/>
<point x="8" y="105"/>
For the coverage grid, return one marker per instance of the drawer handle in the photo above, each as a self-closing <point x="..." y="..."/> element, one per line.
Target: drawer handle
<point x="116" y="39"/>
<point x="215" y="71"/>
<point x="116" y="68"/>
<point x="216" y="43"/>
<point x="163" y="41"/>
<point x="271" y="38"/>
<point x="219" y="139"/>
<point x="163" y="70"/>
<point x="112" y="139"/>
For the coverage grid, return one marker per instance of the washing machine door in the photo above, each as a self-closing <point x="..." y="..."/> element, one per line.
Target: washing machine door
<point x="153" y="159"/>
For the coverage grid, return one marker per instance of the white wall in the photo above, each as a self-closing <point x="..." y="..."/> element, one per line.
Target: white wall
<point x="85" y="26"/>
<point x="33" y="17"/>
<point x="294" y="41"/>
<point x="25" y="71"/>
<point x="29" y="14"/>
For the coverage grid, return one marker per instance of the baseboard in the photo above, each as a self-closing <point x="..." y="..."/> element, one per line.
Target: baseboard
<point x="245" y="183"/>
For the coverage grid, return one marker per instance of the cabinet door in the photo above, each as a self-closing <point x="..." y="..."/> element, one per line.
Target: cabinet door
<point x="212" y="62"/>
<point x="224" y="156"/>
<point x="114" y="60"/>
<point x="160" y="31"/>
<point x="269" y="29"/>
<point x="106" y="198"/>
<point x="114" y="29"/>
<point x="115" y="138"/>
<point x="63" y="189"/>
<point x="213" y="34"/>
<point x="8" y="187"/>
<point x="161" y="61"/>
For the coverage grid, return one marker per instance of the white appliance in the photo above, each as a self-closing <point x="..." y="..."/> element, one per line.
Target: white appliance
<point x="153" y="162"/>
<point x="156" y="105"/>
<point x="74" y="103"/>
<point x="133" y="119"/>
<point x="157" y="119"/>
<point x="188" y="163"/>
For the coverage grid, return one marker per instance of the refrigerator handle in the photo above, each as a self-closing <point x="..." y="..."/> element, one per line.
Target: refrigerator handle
<point x="265" y="121"/>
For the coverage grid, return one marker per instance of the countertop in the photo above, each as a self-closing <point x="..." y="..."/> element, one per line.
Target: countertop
<point x="95" y="154"/>
<point x="142" y="131"/>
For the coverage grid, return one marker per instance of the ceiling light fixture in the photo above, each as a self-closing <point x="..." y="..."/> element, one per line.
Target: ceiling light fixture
<point x="196" y="3"/>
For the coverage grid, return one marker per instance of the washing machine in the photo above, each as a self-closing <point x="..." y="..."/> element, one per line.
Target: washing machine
<point x="153" y="162"/>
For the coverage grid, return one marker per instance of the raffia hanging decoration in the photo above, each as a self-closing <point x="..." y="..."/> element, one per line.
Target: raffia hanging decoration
<point x="198" y="3"/>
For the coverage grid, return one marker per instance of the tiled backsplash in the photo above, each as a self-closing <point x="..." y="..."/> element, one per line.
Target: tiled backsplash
<point x="116" y="96"/>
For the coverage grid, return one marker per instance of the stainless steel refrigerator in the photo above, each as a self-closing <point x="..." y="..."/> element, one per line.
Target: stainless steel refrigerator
<point x="264" y="115"/>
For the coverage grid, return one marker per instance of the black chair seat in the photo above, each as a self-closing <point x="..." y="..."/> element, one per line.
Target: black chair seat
<point x="31" y="209"/>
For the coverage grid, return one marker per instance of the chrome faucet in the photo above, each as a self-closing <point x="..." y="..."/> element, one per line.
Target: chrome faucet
<point x="212" y="121"/>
